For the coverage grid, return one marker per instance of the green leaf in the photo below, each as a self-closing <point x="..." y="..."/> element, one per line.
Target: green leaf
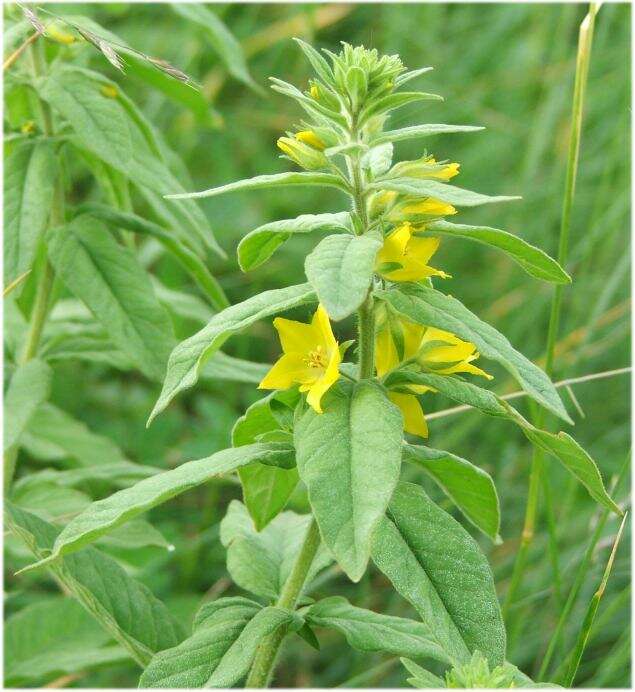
<point x="561" y="446"/>
<point x="220" y="38"/>
<point x="128" y="503"/>
<point x="532" y="259"/>
<point x="124" y="607"/>
<point x="259" y="245"/>
<point x="52" y="434"/>
<point x="49" y="501"/>
<point x="189" y="665"/>
<point x="118" y="474"/>
<point x="136" y="534"/>
<point x="418" y="187"/>
<point x="187" y="359"/>
<point x="432" y="308"/>
<point x="417" y="131"/>
<point x="261" y="562"/>
<point x="292" y="179"/>
<point x="187" y="258"/>
<point x="368" y="631"/>
<point x="29" y="387"/>
<point x="54" y="637"/>
<point x="388" y="103"/>
<point x="438" y="567"/>
<point x="340" y="269"/>
<point x="115" y="131"/>
<point x="236" y="662"/>
<point x="349" y="459"/>
<point x="470" y="488"/>
<point x="29" y="183"/>
<point x="421" y="678"/>
<point x="266" y="489"/>
<point x="108" y="278"/>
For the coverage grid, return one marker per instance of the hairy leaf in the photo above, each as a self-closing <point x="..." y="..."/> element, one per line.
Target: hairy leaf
<point x="532" y="259"/>
<point x="562" y="446"/>
<point x="438" y="567"/>
<point x="54" y="637"/>
<point x="236" y="662"/>
<point x="349" y="458"/>
<point x="188" y="259"/>
<point x="432" y="308"/>
<point x="109" y="280"/>
<point x="261" y="562"/>
<point x="29" y="182"/>
<point x="266" y="489"/>
<point x="368" y="631"/>
<point x="470" y="488"/>
<point x="417" y="131"/>
<point x="293" y="178"/>
<point x="189" y="665"/>
<point x="418" y="187"/>
<point x="124" y="607"/>
<point x="189" y="356"/>
<point x="122" y="506"/>
<point x="109" y="125"/>
<point x="259" y="245"/>
<point x="341" y="269"/>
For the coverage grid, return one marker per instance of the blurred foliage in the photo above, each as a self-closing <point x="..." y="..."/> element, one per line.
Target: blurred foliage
<point x="508" y="67"/>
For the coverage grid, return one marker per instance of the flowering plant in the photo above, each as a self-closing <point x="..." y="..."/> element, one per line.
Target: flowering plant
<point x="341" y="427"/>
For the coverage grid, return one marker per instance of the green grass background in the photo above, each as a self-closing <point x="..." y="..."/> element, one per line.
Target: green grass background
<point x="510" y="68"/>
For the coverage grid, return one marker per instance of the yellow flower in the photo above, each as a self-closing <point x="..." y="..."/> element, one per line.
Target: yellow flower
<point x="311" y="358"/>
<point x="405" y="258"/>
<point x="429" y="206"/>
<point x="309" y="137"/>
<point x="434" y="349"/>
<point x="314" y="91"/>
<point x="304" y="155"/>
<point x="447" y="172"/>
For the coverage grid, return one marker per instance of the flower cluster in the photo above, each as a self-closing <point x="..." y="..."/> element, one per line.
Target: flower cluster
<point x="342" y="102"/>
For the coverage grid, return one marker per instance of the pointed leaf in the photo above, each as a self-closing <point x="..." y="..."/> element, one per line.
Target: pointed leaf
<point x="190" y="355"/>
<point x="122" y="506"/>
<point x="108" y="278"/>
<point x="349" y="458"/>
<point x="417" y="131"/>
<point x="417" y="187"/>
<point x="438" y="567"/>
<point x="368" y="631"/>
<point x="532" y="259"/>
<point x="29" y="182"/>
<point x="470" y="488"/>
<point x="265" y="181"/>
<point x="258" y="246"/>
<point x="124" y="607"/>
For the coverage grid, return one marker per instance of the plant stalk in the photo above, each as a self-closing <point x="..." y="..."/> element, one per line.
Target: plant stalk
<point x="582" y="70"/>
<point x="267" y="653"/>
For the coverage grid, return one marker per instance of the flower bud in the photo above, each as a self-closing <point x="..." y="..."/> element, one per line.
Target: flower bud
<point x="304" y="155"/>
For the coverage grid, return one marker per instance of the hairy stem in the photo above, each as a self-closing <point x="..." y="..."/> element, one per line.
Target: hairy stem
<point x="267" y="653"/>
<point x="582" y="71"/>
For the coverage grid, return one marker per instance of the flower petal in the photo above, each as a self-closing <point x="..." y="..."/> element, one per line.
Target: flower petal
<point x="413" y="419"/>
<point x="290" y="369"/>
<point x="325" y="381"/>
<point x="296" y="337"/>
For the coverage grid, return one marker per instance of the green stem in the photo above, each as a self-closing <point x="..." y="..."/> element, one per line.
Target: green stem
<point x="582" y="71"/>
<point x="366" y="329"/>
<point x="267" y="653"/>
